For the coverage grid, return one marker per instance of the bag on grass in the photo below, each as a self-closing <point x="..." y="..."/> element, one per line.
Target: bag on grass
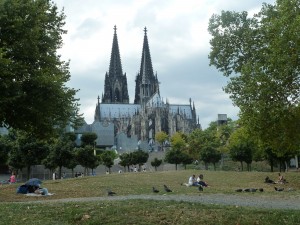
<point x="23" y="189"/>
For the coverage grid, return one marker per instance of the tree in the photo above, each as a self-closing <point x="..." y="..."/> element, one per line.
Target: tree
<point x="161" y="137"/>
<point x="88" y="138"/>
<point x="140" y="157"/>
<point x="125" y="160"/>
<point x="178" y="141"/>
<point x="27" y="150"/>
<point x="5" y="148"/>
<point x="86" y="158"/>
<point x="242" y="147"/>
<point x="107" y="159"/>
<point x="261" y="57"/>
<point x="34" y="96"/>
<point x="156" y="163"/>
<point x="186" y="159"/>
<point x="174" y="156"/>
<point x="210" y="154"/>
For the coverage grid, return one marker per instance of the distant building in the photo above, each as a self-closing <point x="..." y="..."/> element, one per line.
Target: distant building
<point x="222" y="119"/>
<point x="126" y="126"/>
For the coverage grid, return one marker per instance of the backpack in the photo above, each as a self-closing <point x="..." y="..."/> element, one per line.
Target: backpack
<point x="23" y="189"/>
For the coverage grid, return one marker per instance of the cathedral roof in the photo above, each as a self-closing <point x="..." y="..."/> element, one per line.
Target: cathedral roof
<point x="118" y="110"/>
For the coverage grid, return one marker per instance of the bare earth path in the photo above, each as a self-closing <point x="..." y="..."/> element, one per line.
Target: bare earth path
<point x="217" y="199"/>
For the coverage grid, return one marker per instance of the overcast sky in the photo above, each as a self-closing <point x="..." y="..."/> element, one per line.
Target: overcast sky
<point x="179" y="47"/>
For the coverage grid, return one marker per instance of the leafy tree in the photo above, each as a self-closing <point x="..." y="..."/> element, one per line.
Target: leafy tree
<point x="174" y="156"/>
<point x="178" y="141"/>
<point x="186" y="159"/>
<point x="156" y="163"/>
<point x="125" y="160"/>
<point x="34" y="95"/>
<point x="86" y="158"/>
<point x="28" y="151"/>
<point x="139" y="157"/>
<point x="261" y="57"/>
<point x="161" y="137"/>
<point x="210" y="154"/>
<point x="5" y="148"/>
<point x="107" y="159"/>
<point x="88" y="138"/>
<point x="242" y="147"/>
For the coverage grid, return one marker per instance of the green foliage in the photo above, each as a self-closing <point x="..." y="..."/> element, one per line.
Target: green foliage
<point x="5" y="148"/>
<point x="138" y="157"/>
<point x="107" y="158"/>
<point x="33" y="94"/>
<point x="210" y="154"/>
<point x="175" y="156"/>
<point x="242" y="147"/>
<point x="161" y="137"/>
<point x="88" y="138"/>
<point x="178" y="141"/>
<point x="86" y="158"/>
<point x="261" y="57"/>
<point x="156" y="163"/>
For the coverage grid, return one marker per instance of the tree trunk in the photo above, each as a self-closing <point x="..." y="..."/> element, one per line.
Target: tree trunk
<point x="176" y="166"/>
<point x="242" y="165"/>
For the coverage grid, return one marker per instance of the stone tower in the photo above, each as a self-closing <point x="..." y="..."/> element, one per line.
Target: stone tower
<point x="115" y="83"/>
<point x="146" y="84"/>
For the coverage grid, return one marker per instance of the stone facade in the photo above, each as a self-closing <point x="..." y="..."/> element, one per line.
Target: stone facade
<point x="149" y="114"/>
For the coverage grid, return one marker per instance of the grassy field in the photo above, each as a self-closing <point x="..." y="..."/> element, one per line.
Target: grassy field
<point x="149" y="211"/>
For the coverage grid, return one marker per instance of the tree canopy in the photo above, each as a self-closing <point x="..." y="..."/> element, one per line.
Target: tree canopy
<point x="260" y="54"/>
<point x="33" y="90"/>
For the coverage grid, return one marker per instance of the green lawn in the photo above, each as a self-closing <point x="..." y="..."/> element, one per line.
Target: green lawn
<point x="150" y="211"/>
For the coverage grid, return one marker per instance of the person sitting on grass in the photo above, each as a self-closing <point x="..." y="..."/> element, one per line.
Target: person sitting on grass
<point x="192" y="182"/>
<point x="201" y="182"/>
<point x="281" y="179"/>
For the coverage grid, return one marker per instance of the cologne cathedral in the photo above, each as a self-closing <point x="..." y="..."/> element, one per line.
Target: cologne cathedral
<point x="127" y="126"/>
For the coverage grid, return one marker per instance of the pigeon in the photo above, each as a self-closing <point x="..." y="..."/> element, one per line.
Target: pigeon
<point x="250" y="190"/>
<point x="167" y="189"/>
<point x="239" y="190"/>
<point x="155" y="190"/>
<point x="278" y="189"/>
<point x="110" y="193"/>
<point x="200" y="188"/>
<point x="261" y="189"/>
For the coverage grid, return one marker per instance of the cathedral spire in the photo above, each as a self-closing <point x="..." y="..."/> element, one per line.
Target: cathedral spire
<point x="115" y="83"/>
<point x="115" y="66"/>
<point x="146" y="82"/>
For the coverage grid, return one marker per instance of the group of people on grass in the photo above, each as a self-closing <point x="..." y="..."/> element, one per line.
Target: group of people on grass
<point x="193" y="181"/>
<point x="281" y="180"/>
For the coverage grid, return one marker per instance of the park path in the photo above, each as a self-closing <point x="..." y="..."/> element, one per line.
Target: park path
<point x="216" y="199"/>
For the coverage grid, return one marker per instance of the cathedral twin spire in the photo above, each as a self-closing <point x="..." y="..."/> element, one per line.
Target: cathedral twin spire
<point x="115" y="87"/>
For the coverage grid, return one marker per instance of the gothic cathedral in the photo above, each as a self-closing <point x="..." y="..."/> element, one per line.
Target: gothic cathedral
<point x="122" y="124"/>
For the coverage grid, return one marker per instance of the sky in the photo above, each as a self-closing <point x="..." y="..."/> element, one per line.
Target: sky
<point x="179" y="47"/>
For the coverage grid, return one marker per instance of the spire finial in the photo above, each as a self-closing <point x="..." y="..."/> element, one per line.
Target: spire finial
<point x="145" y="30"/>
<point x="115" y="28"/>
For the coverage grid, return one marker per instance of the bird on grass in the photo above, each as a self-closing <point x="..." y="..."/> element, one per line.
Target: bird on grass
<point x="261" y="189"/>
<point x="155" y="190"/>
<point x="110" y="193"/>
<point x="278" y="189"/>
<point x="250" y="190"/>
<point x="167" y="189"/>
<point x="239" y="190"/>
<point x="200" y="188"/>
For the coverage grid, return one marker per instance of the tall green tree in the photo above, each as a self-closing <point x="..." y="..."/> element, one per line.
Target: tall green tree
<point x="34" y="95"/>
<point x="261" y="56"/>
<point x="156" y="163"/>
<point x="88" y="138"/>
